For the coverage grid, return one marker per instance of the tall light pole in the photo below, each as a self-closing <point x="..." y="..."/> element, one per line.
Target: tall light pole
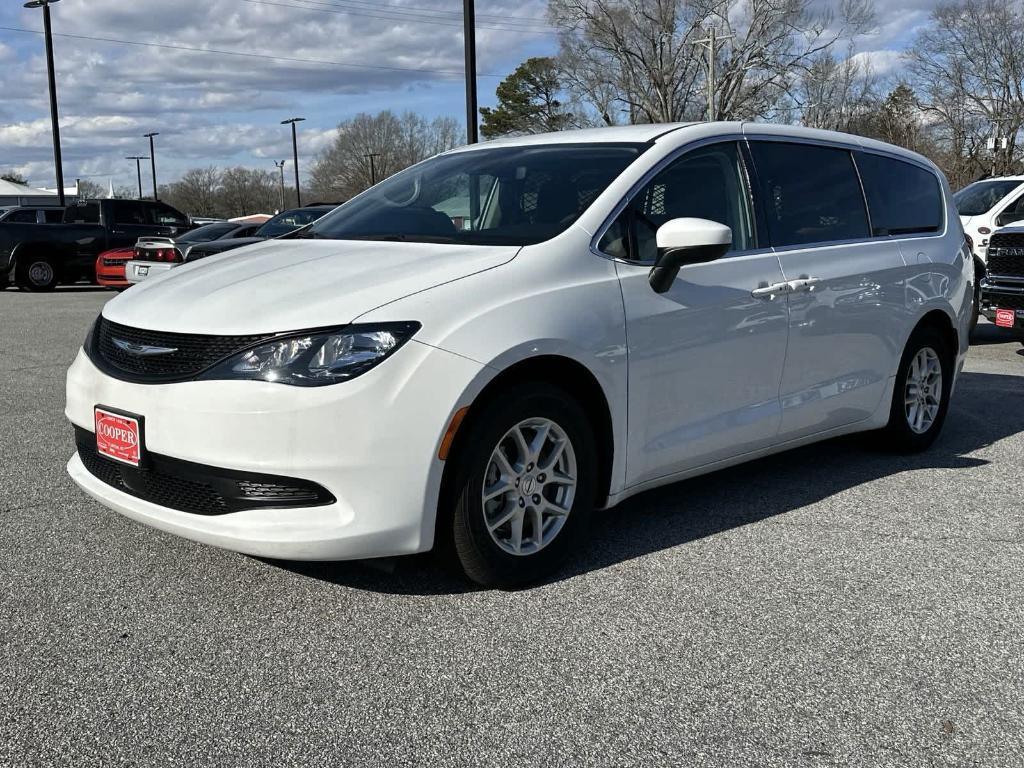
<point x="48" y="34"/>
<point x="280" y="166"/>
<point x="469" y="39"/>
<point x="712" y="42"/>
<point x="152" y="158"/>
<point x="138" y="169"/>
<point x="373" y="166"/>
<point x="295" y="155"/>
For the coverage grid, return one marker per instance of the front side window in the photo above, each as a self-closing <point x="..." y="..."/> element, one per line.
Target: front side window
<point x="903" y="198"/>
<point x="166" y="216"/>
<point x="982" y="196"/>
<point x="707" y="183"/>
<point x="289" y="221"/>
<point x="490" y="196"/>
<point x="810" y="194"/>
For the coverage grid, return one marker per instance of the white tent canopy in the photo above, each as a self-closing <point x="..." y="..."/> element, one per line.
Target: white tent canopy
<point x="19" y="194"/>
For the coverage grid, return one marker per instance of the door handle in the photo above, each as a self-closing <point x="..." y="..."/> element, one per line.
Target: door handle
<point x="804" y="283"/>
<point x="765" y="291"/>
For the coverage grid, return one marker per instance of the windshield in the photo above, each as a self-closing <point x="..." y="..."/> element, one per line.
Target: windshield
<point x="497" y="196"/>
<point x="979" y="197"/>
<point x="207" y="233"/>
<point x="289" y="221"/>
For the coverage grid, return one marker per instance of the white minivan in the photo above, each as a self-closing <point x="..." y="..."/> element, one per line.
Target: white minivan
<point x="615" y="309"/>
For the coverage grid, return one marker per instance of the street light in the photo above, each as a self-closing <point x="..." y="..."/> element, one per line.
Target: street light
<point x="373" y="166"/>
<point x="295" y="156"/>
<point x="138" y="169"/>
<point x="152" y="159"/>
<point x="48" y="34"/>
<point x="280" y="166"/>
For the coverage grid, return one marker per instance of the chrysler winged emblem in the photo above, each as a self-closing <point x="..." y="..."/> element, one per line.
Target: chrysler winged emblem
<point x="142" y="350"/>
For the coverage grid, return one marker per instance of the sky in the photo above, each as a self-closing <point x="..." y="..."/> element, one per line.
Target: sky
<point x="128" y="68"/>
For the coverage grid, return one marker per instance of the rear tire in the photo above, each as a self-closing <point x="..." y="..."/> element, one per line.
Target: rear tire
<point x="540" y="487"/>
<point x="975" y="312"/>
<point x="920" y="397"/>
<point x="36" y="274"/>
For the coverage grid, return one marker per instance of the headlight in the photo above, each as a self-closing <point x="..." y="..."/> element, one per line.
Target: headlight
<point x="316" y="359"/>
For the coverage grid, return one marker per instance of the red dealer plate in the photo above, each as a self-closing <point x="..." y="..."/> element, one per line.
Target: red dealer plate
<point x="118" y="436"/>
<point x="1005" y="318"/>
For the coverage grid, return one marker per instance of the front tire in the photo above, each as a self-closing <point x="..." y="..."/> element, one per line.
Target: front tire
<point x="36" y="274"/>
<point x="920" y="398"/>
<point x="523" y="487"/>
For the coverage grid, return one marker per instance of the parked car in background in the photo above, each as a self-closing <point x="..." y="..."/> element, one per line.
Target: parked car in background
<point x="624" y="308"/>
<point x="154" y="255"/>
<point x="1002" y="287"/>
<point x="153" y="258"/>
<point x="39" y="256"/>
<point x="986" y="205"/>
<point x="32" y="214"/>
<point x="110" y="267"/>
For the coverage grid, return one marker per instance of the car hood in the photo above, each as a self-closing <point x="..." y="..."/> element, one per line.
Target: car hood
<point x="286" y="285"/>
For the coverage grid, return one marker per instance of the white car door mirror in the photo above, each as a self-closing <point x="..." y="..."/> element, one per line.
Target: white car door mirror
<point x="687" y="241"/>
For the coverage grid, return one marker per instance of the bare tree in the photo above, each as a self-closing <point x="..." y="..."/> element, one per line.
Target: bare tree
<point x="968" y="69"/>
<point x="247" y="190"/>
<point x="372" y="147"/>
<point x="196" y="193"/>
<point x="636" y="60"/>
<point x="836" y="94"/>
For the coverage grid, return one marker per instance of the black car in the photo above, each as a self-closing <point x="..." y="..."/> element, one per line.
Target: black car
<point x="281" y="224"/>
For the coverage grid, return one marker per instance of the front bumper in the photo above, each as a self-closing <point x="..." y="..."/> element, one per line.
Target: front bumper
<point x="137" y="271"/>
<point x="997" y="295"/>
<point x="371" y="442"/>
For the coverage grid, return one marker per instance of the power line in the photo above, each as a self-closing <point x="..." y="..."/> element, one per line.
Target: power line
<point x="400" y="16"/>
<point x="246" y="54"/>
<point x="457" y="14"/>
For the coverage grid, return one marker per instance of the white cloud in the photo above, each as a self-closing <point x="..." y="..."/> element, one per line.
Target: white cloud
<point x="226" y="109"/>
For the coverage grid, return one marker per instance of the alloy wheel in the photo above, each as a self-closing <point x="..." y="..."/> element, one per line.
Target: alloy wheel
<point x="923" y="390"/>
<point x="529" y="486"/>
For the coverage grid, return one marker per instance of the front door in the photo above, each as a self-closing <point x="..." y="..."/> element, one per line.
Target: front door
<point x="706" y="357"/>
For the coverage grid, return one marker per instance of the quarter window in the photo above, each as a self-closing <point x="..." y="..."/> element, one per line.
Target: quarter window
<point x="707" y="183"/>
<point x="129" y="212"/>
<point x="903" y="198"/>
<point x="810" y="194"/>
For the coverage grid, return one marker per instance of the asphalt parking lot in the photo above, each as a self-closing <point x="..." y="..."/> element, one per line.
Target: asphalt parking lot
<point x="831" y="606"/>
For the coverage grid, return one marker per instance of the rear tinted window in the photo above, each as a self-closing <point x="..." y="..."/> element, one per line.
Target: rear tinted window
<point x="129" y="212"/>
<point x="810" y="194"/>
<point x="86" y="213"/>
<point x="902" y="198"/>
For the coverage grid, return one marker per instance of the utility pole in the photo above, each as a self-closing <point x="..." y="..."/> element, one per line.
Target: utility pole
<point x="54" y="122"/>
<point x="152" y="159"/>
<point x="138" y="169"/>
<point x="280" y="166"/>
<point x="711" y="43"/>
<point x="469" y="37"/>
<point x="373" y="167"/>
<point x="295" y="156"/>
<point x="996" y="141"/>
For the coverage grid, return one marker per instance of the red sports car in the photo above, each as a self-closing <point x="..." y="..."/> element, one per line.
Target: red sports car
<point x="110" y="267"/>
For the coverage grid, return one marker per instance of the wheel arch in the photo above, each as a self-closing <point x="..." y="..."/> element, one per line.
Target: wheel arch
<point x="941" y="321"/>
<point x="558" y="371"/>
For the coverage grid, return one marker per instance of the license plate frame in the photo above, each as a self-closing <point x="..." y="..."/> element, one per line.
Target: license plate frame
<point x="141" y="271"/>
<point x="114" y="429"/>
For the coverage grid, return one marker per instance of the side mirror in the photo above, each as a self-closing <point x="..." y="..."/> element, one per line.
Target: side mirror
<point x="687" y="241"/>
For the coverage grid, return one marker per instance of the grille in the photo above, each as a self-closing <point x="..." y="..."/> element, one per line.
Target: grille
<point x="172" y="492"/>
<point x="1006" y="254"/>
<point x="197" y="488"/>
<point x="192" y="354"/>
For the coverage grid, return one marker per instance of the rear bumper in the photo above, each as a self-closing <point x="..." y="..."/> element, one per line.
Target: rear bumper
<point x="137" y="271"/>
